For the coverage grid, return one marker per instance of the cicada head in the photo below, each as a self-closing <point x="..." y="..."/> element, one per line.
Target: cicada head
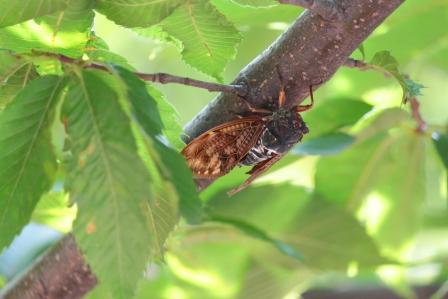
<point x="284" y="129"/>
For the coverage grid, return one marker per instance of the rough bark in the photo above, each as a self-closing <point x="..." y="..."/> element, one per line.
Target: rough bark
<point x="308" y="53"/>
<point x="61" y="273"/>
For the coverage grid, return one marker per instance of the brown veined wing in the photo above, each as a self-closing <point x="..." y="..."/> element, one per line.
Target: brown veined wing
<point x="217" y="151"/>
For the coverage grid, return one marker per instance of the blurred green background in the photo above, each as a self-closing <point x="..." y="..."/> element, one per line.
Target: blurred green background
<point x="393" y="234"/>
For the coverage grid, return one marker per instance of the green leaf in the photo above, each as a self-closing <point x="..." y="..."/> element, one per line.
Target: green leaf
<point x="330" y="144"/>
<point x="27" y="161"/>
<point x="137" y="13"/>
<point x="384" y="61"/>
<point x="256" y="3"/>
<point x="121" y="221"/>
<point x="2" y="281"/>
<point x="97" y="50"/>
<point x="209" y="39"/>
<point x="179" y="174"/>
<point x="383" y="179"/>
<point x="327" y="235"/>
<point x="53" y="210"/>
<point x="16" y="11"/>
<point x="257" y="233"/>
<point x="65" y="32"/>
<point x="333" y="115"/>
<point x="144" y="107"/>
<point x="380" y="121"/>
<point x="15" y="73"/>
<point x="156" y="32"/>
<point x="441" y="143"/>
<point x="171" y="164"/>
<point x="170" y="119"/>
<point x="362" y="51"/>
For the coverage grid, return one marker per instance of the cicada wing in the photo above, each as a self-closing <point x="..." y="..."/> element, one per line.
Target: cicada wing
<point x="217" y="151"/>
<point x="256" y="171"/>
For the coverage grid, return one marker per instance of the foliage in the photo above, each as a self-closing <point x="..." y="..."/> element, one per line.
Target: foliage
<point x="100" y="147"/>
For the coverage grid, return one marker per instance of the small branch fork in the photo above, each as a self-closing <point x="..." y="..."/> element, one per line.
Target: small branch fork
<point x="161" y="78"/>
<point x="327" y="9"/>
<point x="414" y="103"/>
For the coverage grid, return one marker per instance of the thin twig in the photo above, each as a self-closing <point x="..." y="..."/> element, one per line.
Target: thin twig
<point x="415" y="109"/>
<point x="415" y="105"/>
<point x="355" y="63"/>
<point x="327" y="9"/>
<point x="161" y="78"/>
<point x="164" y="78"/>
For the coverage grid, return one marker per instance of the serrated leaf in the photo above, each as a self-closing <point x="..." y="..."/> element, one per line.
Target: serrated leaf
<point x="144" y="107"/>
<point x="15" y="73"/>
<point x="257" y="233"/>
<point x="97" y="50"/>
<point x="383" y="179"/>
<point x="330" y="144"/>
<point x="156" y="32"/>
<point x="170" y="119"/>
<point x="171" y="164"/>
<point x="209" y="39"/>
<point x="333" y="115"/>
<point x="137" y="13"/>
<point x="386" y="62"/>
<point x="65" y="32"/>
<point x="16" y="11"/>
<point x="121" y="221"/>
<point x="256" y="3"/>
<point x="27" y="161"/>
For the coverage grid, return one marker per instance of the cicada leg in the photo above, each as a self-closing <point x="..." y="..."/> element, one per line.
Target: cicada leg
<point x="302" y="108"/>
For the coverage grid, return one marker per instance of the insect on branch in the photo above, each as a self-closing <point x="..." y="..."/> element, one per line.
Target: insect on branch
<point x="161" y="78"/>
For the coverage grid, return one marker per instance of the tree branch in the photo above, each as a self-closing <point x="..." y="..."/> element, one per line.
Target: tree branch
<point x="60" y="273"/>
<point x="308" y="53"/>
<point x="327" y="9"/>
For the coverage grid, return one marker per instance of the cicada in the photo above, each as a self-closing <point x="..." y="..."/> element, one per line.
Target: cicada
<point x="259" y="139"/>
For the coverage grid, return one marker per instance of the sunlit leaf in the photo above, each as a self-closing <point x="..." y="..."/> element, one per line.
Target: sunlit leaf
<point x="97" y="50"/>
<point x="15" y="73"/>
<point x="156" y="32"/>
<point x="382" y="178"/>
<point x="53" y="210"/>
<point x="27" y="161"/>
<point x="65" y="32"/>
<point x="112" y="187"/>
<point x="209" y="40"/>
<point x="17" y="11"/>
<point x="137" y="13"/>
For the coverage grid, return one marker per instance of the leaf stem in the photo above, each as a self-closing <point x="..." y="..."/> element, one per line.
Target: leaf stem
<point x="162" y="78"/>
